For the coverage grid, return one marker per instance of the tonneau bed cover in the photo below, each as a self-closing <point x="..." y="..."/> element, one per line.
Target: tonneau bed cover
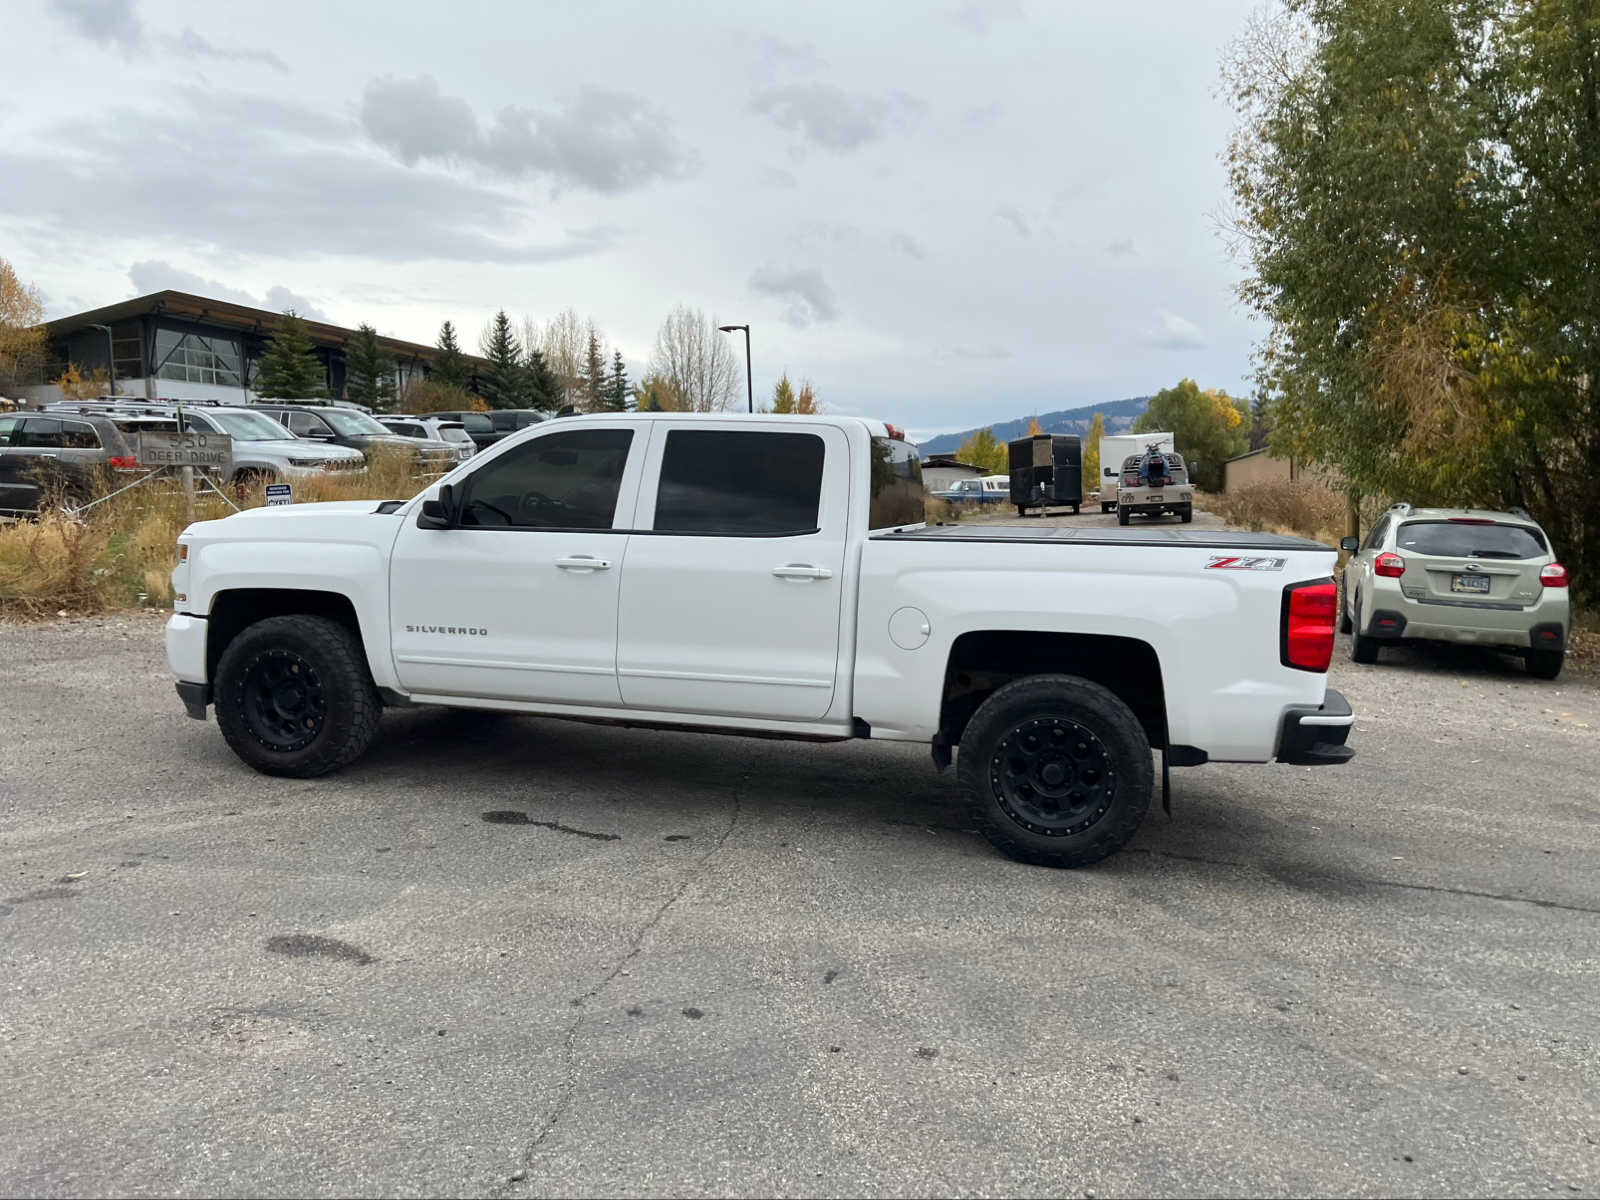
<point x="1190" y="539"/>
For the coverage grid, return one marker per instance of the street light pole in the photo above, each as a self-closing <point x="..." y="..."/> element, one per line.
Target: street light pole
<point x="111" y="357"/>
<point x="749" y="386"/>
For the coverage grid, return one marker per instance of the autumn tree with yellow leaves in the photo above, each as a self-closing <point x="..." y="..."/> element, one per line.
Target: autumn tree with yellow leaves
<point x="1208" y="426"/>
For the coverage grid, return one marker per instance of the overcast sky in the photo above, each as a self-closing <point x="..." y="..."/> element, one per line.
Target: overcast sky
<point x="943" y="214"/>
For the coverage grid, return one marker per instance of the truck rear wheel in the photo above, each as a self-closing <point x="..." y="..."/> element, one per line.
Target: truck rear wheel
<point x="1056" y="771"/>
<point x="294" y="696"/>
<point x="1186" y="513"/>
<point x="1122" y="515"/>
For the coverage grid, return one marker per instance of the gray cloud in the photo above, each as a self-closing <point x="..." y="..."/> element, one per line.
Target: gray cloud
<point x="985" y="353"/>
<point x="806" y="294"/>
<point x="109" y="22"/>
<point x="904" y="243"/>
<point x="1015" y="219"/>
<point x="834" y="118"/>
<point x="191" y="42"/>
<point x="603" y="140"/>
<point x="154" y="275"/>
<point x="311" y="188"/>
<point x="780" y="53"/>
<point x="1121" y="248"/>
<point x="980" y="16"/>
<point x="777" y="177"/>
<point x="984" y="114"/>
<point x="1172" y="332"/>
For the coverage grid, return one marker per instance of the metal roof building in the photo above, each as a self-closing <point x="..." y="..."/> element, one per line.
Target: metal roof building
<point x="180" y="346"/>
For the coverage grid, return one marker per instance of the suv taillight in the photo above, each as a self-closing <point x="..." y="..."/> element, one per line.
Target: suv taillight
<point x="1391" y="566"/>
<point x="1553" y="575"/>
<point x="124" y="462"/>
<point x="1305" y="637"/>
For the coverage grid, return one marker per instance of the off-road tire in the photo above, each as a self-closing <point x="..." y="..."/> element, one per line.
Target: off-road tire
<point x="1186" y="513"/>
<point x="1120" y="743"/>
<point x="1122" y="515"/>
<point x="1363" y="649"/>
<point x="1545" y="664"/>
<point x="350" y="706"/>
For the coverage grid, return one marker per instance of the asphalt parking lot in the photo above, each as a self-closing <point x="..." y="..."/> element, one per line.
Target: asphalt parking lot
<point x="530" y="958"/>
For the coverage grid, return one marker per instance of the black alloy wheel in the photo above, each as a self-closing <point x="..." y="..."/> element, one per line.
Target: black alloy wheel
<point x="1052" y="776"/>
<point x="285" y="703"/>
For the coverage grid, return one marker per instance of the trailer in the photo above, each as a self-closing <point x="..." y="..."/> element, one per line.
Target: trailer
<point x="1046" y="472"/>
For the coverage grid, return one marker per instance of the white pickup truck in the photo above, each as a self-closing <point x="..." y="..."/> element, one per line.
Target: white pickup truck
<point x="765" y="575"/>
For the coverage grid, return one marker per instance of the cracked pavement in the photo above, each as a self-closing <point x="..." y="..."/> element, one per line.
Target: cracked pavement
<point x="521" y="957"/>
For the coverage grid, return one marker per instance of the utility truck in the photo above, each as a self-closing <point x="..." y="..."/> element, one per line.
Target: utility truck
<point x="765" y="575"/>
<point x="1114" y="451"/>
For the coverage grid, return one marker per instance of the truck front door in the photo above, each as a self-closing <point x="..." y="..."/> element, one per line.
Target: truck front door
<point x="731" y="591"/>
<point x="519" y="600"/>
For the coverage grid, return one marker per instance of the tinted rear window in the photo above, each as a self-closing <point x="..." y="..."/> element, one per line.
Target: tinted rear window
<point x="1457" y="539"/>
<point x="897" y="493"/>
<point x="740" y="483"/>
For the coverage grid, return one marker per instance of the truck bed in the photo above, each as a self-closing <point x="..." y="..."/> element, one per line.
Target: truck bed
<point x="1188" y="539"/>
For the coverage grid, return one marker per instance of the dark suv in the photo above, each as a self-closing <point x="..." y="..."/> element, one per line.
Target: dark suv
<point x="487" y="428"/>
<point x="46" y="454"/>
<point x="350" y="427"/>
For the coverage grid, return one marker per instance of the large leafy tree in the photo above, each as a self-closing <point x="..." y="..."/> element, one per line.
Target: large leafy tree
<point x="450" y="367"/>
<point x="1208" y="427"/>
<point x="982" y="450"/>
<point x="369" y="371"/>
<point x="22" y="340"/>
<point x="290" y="368"/>
<point x="1418" y="203"/>
<point x="504" y="381"/>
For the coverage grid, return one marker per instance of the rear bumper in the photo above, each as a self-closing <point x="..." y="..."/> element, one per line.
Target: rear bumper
<point x="1315" y="737"/>
<point x="1395" y="616"/>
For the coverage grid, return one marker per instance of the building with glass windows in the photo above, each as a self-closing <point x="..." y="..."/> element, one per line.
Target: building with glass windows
<point x="172" y="345"/>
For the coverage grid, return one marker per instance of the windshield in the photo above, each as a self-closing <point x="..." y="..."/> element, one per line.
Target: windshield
<point x="350" y="422"/>
<point x="1465" y="539"/>
<point x="250" y="427"/>
<point x="477" y="422"/>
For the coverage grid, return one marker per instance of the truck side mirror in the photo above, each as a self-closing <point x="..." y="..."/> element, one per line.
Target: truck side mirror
<point x="1349" y="543"/>
<point x="440" y="513"/>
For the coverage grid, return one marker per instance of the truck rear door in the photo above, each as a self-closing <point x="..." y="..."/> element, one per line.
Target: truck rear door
<point x="731" y="586"/>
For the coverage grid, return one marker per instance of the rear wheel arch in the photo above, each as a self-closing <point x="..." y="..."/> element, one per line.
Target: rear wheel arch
<point x="982" y="662"/>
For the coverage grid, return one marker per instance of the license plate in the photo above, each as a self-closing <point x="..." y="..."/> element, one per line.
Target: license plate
<point x="1157" y="496"/>
<point x="1469" y="583"/>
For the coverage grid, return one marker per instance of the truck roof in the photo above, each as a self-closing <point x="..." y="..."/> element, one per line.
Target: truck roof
<point x="874" y="428"/>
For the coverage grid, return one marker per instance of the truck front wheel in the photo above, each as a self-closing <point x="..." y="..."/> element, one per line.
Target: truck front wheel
<point x="1056" y="771"/>
<point x="294" y="696"/>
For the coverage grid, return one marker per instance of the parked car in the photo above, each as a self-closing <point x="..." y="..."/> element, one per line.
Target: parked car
<point x="434" y="428"/>
<point x="67" y="454"/>
<point x="1470" y="576"/>
<point x="990" y="489"/>
<point x="778" y="581"/>
<point x="345" y="426"/>
<point x="487" y="428"/>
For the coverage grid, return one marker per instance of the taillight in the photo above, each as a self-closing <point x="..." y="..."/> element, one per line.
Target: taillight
<point x="124" y="462"/>
<point x="1471" y="521"/>
<point x="1553" y="575"/>
<point x="1391" y="566"/>
<point x="1305" y="640"/>
<point x="894" y="431"/>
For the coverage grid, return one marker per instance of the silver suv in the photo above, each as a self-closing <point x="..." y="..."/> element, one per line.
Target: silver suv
<point x="1456" y="575"/>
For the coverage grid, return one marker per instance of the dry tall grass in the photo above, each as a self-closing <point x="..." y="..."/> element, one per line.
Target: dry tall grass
<point x="121" y="552"/>
<point x="1300" y="508"/>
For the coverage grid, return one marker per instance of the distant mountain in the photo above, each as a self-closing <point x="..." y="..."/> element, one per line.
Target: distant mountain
<point x="1119" y="414"/>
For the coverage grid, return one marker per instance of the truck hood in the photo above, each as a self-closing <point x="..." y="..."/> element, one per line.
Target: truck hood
<point x="325" y="508"/>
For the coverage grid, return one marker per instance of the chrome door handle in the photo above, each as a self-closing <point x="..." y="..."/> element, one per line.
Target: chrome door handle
<point x="583" y="562"/>
<point x="802" y="571"/>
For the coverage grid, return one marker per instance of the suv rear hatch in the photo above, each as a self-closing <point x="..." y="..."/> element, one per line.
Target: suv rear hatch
<point x="1472" y="562"/>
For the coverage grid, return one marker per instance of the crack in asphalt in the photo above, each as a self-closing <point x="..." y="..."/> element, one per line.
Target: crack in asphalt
<point x="1388" y="883"/>
<point x="635" y="948"/>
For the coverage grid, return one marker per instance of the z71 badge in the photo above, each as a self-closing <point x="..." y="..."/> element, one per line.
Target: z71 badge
<point x="1229" y="562"/>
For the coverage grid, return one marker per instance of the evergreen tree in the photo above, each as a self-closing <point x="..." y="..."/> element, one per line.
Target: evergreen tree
<point x="290" y="369"/>
<point x="450" y="366"/>
<point x="369" y="371"/>
<point x="503" y="386"/>
<point x="592" y="377"/>
<point x="783" y="395"/>
<point x="617" y="388"/>
<point x="541" y="387"/>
